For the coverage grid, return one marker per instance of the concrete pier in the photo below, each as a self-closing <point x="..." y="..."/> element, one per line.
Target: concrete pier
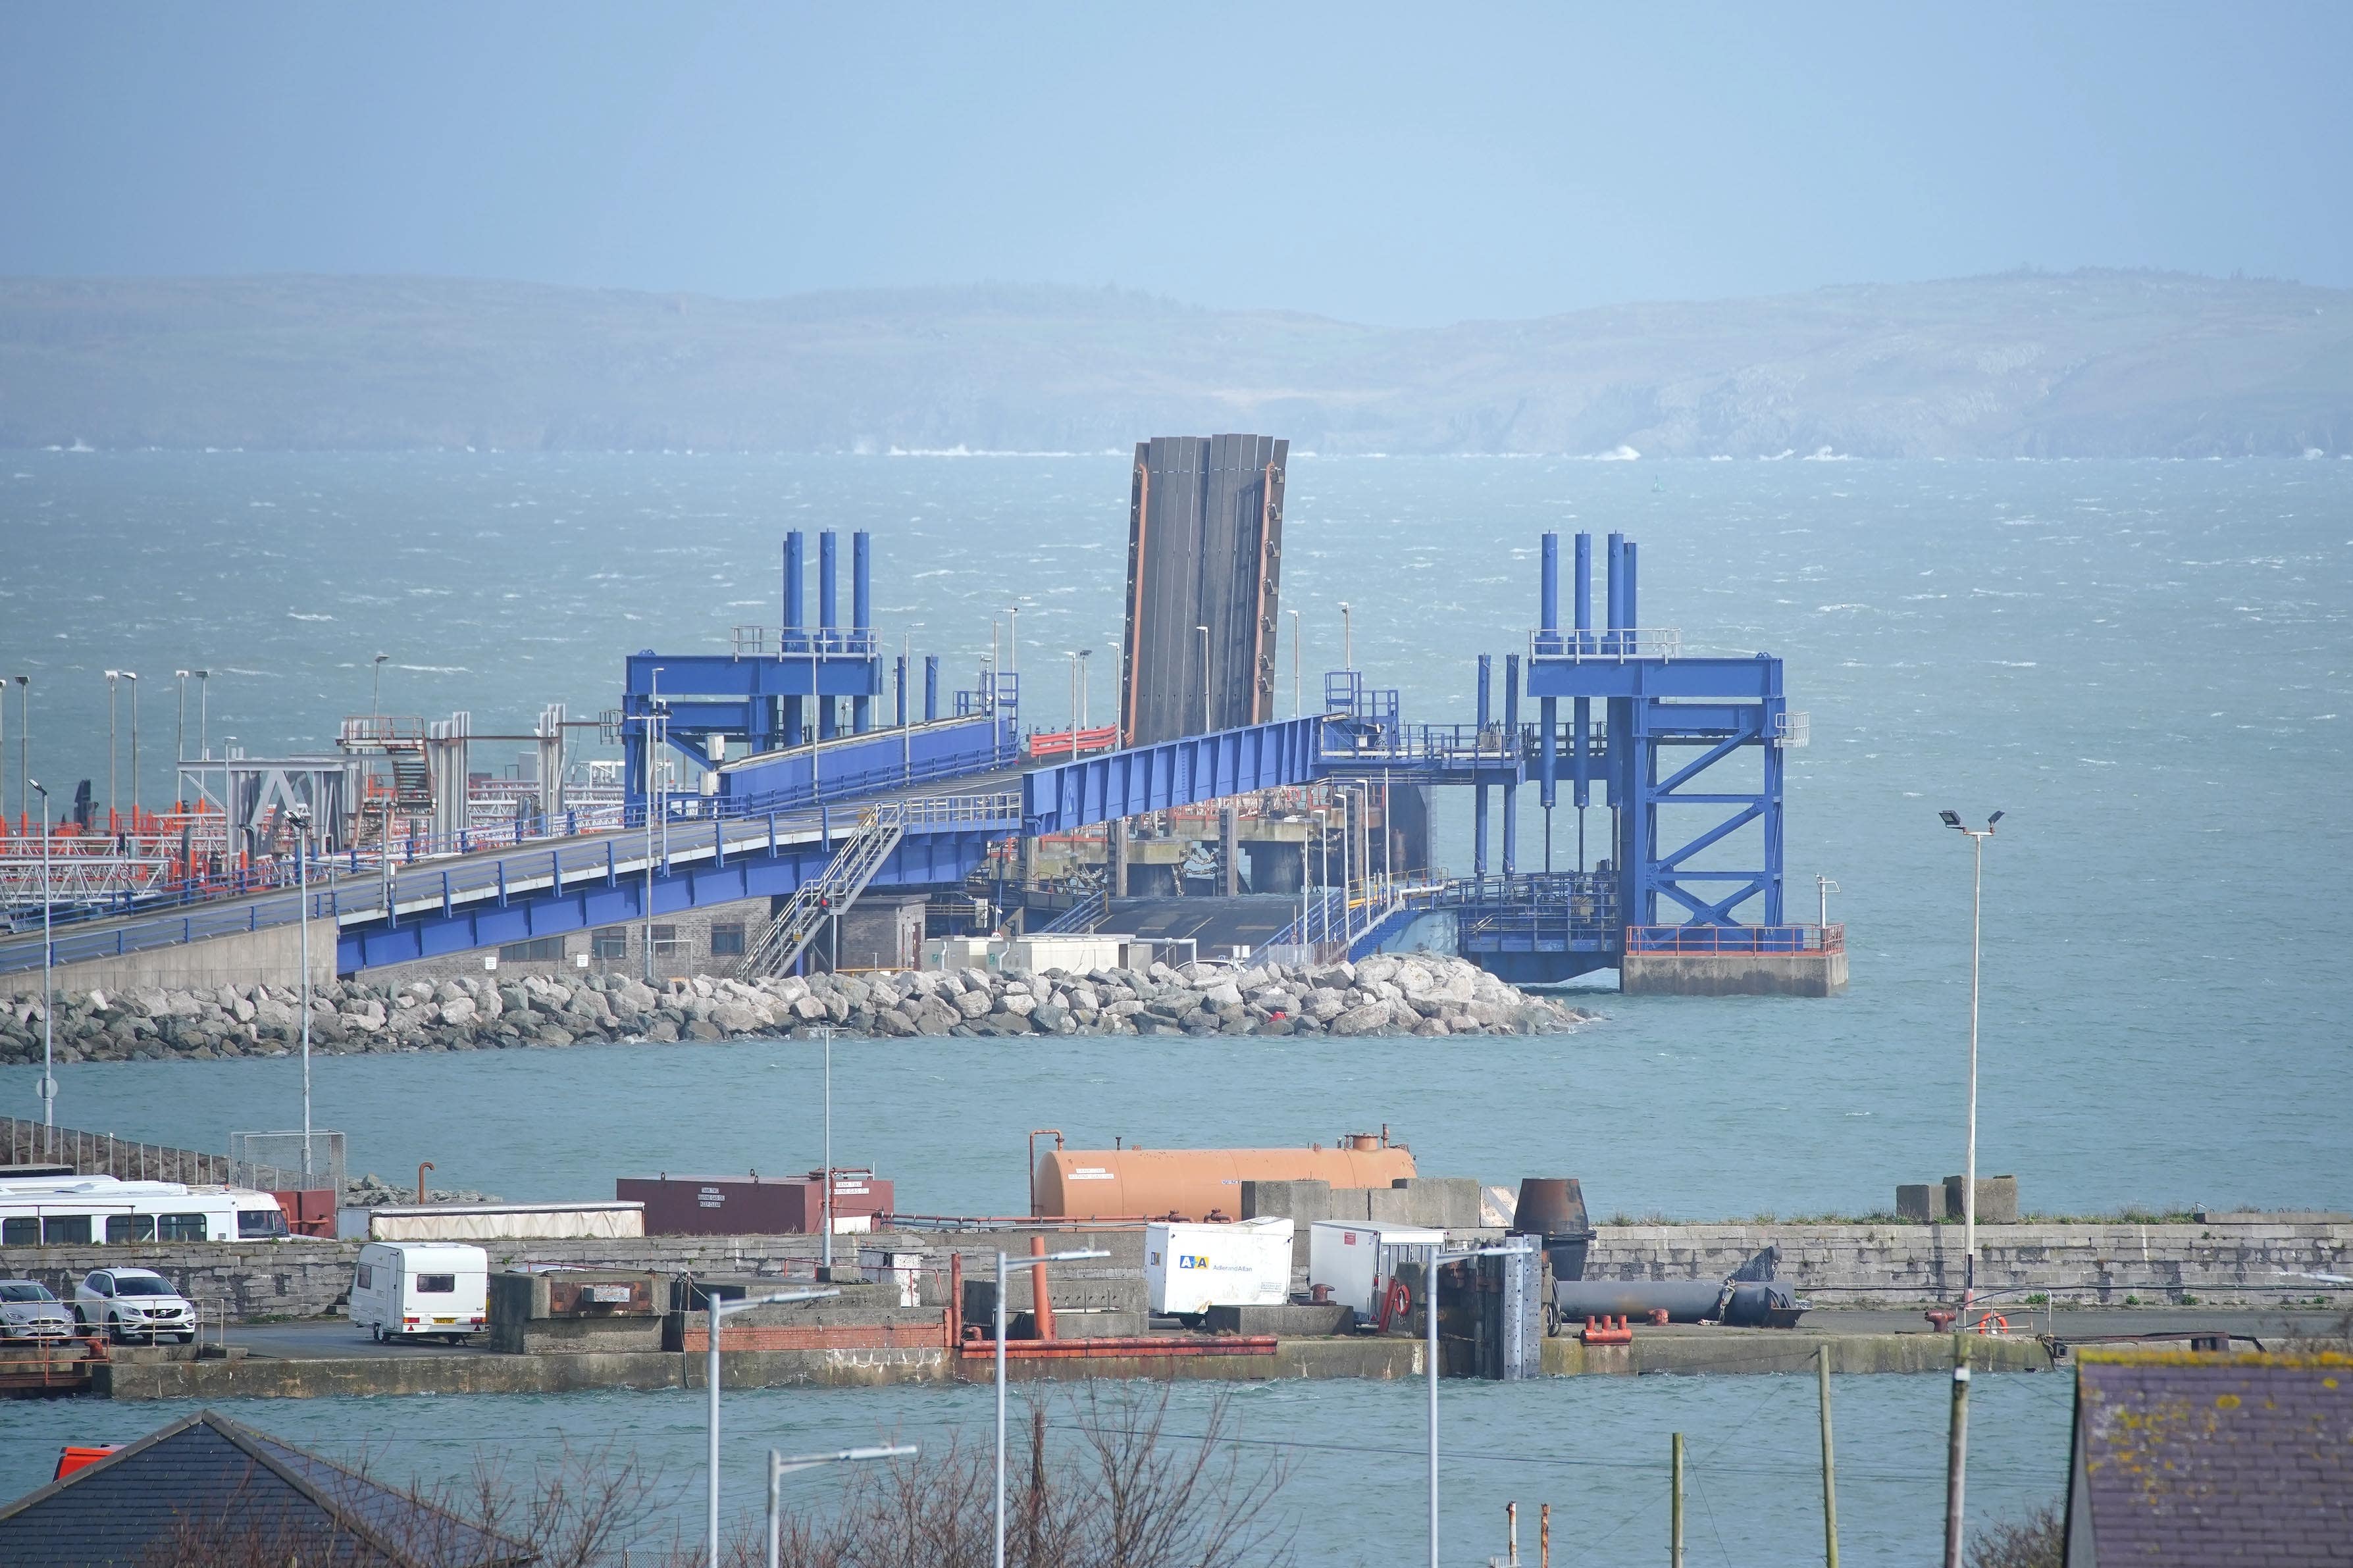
<point x="1733" y="973"/>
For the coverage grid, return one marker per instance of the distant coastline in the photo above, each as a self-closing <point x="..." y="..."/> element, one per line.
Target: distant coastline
<point x="2084" y="364"/>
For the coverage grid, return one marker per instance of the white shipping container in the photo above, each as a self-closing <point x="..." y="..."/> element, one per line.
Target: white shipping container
<point x="620" y="1221"/>
<point x="1191" y="1266"/>
<point x="1354" y="1257"/>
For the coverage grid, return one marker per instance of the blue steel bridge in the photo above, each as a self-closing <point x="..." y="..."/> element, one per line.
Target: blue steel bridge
<point x="830" y="776"/>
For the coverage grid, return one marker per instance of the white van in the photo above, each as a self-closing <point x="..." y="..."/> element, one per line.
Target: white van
<point x="421" y="1289"/>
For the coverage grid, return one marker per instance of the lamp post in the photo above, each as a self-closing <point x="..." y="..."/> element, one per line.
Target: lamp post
<point x="717" y="1312"/>
<point x="300" y="815"/>
<point x="1074" y="704"/>
<point x="1977" y="836"/>
<point x="653" y="727"/>
<point x="1429" y="1357"/>
<point x="826" y="1034"/>
<point x="113" y="679"/>
<point x="1205" y="725"/>
<point x="1347" y="637"/>
<point x="1826" y="887"/>
<point x="1086" y="673"/>
<point x="204" y="713"/>
<point x="375" y="689"/>
<point x="48" y="992"/>
<point x="1039" y="1265"/>
<point x="132" y="676"/>
<point x="180" y="730"/>
<point x="23" y="738"/>
<point x="780" y="1466"/>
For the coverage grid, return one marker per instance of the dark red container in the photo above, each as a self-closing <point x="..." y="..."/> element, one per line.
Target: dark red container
<point x="755" y="1204"/>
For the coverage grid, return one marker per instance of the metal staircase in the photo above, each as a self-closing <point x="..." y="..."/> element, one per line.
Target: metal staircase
<point x="833" y="891"/>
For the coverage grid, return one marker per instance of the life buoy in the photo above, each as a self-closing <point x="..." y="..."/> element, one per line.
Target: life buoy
<point x="1993" y="1318"/>
<point x="1396" y="1302"/>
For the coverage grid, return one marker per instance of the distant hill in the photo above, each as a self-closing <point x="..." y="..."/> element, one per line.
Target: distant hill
<point x="2089" y="363"/>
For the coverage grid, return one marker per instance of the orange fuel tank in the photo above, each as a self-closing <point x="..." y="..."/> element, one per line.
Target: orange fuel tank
<point x="1086" y="1183"/>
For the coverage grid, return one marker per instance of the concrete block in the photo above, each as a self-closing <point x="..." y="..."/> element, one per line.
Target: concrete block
<point x="1291" y="1319"/>
<point x="1996" y="1199"/>
<point x="1921" y="1201"/>
<point x="1448" y="1203"/>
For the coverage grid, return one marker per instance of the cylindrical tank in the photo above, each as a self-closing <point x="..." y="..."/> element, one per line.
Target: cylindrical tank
<point x="1086" y="1183"/>
<point x="1553" y="1207"/>
<point x="1686" y="1301"/>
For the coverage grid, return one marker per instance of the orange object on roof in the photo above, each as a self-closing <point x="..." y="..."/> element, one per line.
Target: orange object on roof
<point x="80" y="1457"/>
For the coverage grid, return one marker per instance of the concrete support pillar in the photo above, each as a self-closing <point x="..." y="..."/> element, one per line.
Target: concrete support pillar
<point x="1119" y="858"/>
<point x="1227" y="858"/>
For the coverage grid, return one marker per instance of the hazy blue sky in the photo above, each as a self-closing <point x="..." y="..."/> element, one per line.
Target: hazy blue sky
<point x="1390" y="164"/>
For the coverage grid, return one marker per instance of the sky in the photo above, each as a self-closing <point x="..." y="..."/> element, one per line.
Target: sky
<point x="1398" y="164"/>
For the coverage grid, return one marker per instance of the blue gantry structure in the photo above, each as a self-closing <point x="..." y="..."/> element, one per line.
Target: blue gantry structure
<point x="803" y="772"/>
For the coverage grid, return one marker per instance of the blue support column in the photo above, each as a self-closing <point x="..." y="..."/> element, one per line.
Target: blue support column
<point x="861" y="617"/>
<point x="1549" y="709"/>
<point x="828" y="620"/>
<point x="931" y="686"/>
<point x="1582" y="716"/>
<point x="1512" y="747"/>
<point x="898" y="684"/>
<point x="790" y="642"/>
<point x="1632" y="605"/>
<point x="1479" y="791"/>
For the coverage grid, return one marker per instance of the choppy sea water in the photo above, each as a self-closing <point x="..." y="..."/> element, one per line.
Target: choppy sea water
<point x="2146" y="665"/>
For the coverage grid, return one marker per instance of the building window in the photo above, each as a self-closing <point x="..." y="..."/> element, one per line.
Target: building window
<point x="727" y="940"/>
<point x="541" y="950"/>
<point x="666" y="943"/>
<point x="609" y="941"/>
<point x="181" y="1227"/>
<point x="122" y="1228"/>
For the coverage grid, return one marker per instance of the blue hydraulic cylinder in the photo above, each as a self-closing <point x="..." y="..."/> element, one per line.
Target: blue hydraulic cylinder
<point x="861" y="581"/>
<point x="1632" y="605"/>
<point x="829" y="601"/>
<point x="795" y="569"/>
<point x="1585" y="581"/>
<point x="1548" y="594"/>
<point x="1479" y="792"/>
<point x="1511" y="746"/>
<point x="900" y="685"/>
<point x="931" y="686"/>
<point x="1616" y="587"/>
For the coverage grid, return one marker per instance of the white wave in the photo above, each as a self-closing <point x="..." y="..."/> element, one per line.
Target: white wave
<point x="435" y="668"/>
<point x="961" y="451"/>
<point x="1824" y="455"/>
<point x="2313" y="454"/>
<point x="1622" y="453"/>
<point x="2098" y="762"/>
<point x="1825" y="609"/>
<point x="2015" y="663"/>
<point x="298" y="615"/>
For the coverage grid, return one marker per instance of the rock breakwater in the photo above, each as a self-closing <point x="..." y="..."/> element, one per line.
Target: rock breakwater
<point x="1384" y="995"/>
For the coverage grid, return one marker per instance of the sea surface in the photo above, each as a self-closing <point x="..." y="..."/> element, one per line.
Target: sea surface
<point x="2148" y="667"/>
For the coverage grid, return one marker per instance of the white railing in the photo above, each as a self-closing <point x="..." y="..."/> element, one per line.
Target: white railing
<point x="1602" y="643"/>
<point x="1792" y="729"/>
<point x="800" y="642"/>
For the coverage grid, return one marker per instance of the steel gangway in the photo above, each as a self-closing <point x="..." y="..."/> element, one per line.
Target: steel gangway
<point x="829" y="895"/>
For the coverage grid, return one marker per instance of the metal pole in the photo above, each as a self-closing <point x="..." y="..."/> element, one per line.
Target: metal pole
<point x="1086" y="683"/>
<point x="302" y="916"/>
<point x="1675" y="1505"/>
<point x="113" y="676"/>
<point x="1347" y="637"/>
<point x="376" y="691"/>
<point x="827" y="1034"/>
<point x="1829" y="1465"/>
<point x="1429" y="1311"/>
<point x="203" y="712"/>
<point x="48" y="990"/>
<point x="999" y="1559"/>
<point x="1298" y="692"/>
<point x="179" y="732"/>
<point x="1957" y="1450"/>
<point x="776" y="1484"/>
<point x="1969" y="1181"/>
<point x="710" y="1377"/>
<point x="132" y="676"/>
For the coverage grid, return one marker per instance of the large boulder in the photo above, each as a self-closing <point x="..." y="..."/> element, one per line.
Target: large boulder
<point x="972" y="1004"/>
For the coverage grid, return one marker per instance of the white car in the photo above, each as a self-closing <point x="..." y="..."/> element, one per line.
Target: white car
<point x="133" y="1303"/>
<point x="27" y="1312"/>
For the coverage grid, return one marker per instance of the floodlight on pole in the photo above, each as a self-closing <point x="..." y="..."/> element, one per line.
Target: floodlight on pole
<point x="1977" y="836"/>
<point x="1036" y="1263"/>
<point x="782" y="1465"/>
<point x="717" y="1312"/>
<point x="48" y="991"/>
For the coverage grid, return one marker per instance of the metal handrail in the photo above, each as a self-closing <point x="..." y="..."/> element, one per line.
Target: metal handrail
<point x="1709" y="939"/>
<point x="1606" y="643"/>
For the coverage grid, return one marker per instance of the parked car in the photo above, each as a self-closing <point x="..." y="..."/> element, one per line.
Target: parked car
<point x="27" y="1312"/>
<point x="133" y="1303"/>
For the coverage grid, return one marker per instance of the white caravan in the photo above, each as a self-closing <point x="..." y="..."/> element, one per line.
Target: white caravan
<point x="421" y="1289"/>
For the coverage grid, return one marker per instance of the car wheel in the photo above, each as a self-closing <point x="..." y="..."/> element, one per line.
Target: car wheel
<point x="186" y="1337"/>
<point x="376" y="1332"/>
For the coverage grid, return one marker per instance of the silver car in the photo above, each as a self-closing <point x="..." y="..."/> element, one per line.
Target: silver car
<point x="27" y="1312"/>
<point x="133" y="1303"/>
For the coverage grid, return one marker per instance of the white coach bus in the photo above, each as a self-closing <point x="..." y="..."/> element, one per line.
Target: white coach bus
<point x="86" y="1211"/>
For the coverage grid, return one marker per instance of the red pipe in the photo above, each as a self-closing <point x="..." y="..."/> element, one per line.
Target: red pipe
<point x="1128" y="1345"/>
<point x="1042" y="1305"/>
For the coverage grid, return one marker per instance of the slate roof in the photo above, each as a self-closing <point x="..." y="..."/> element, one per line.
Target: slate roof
<point x="2194" y="1458"/>
<point x="204" y="1469"/>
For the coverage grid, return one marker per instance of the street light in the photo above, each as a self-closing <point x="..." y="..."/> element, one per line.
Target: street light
<point x="48" y="992"/>
<point x="718" y="1310"/>
<point x="113" y="677"/>
<point x="826" y="1033"/>
<point x="24" y="735"/>
<point x="779" y="1467"/>
<point x="1429" y="1311"/>
<point x="1086" y="672"/>
<point x="376" y="691"/>
<point x="1347" y="639"/>
<point x="1977" y="836"/>
<point x="132" y="676"/>
<point x="300" y="815"/>
<point x="1037" y="1263"/>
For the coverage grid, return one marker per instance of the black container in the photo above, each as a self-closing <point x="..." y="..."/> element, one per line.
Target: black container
<point x="1553" y="1207"/>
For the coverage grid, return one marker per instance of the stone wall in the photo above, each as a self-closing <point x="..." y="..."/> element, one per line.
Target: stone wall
<point x="2098" y="1263"/>
<point x="689" y="948"/>
<point x="271" y="956"/>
